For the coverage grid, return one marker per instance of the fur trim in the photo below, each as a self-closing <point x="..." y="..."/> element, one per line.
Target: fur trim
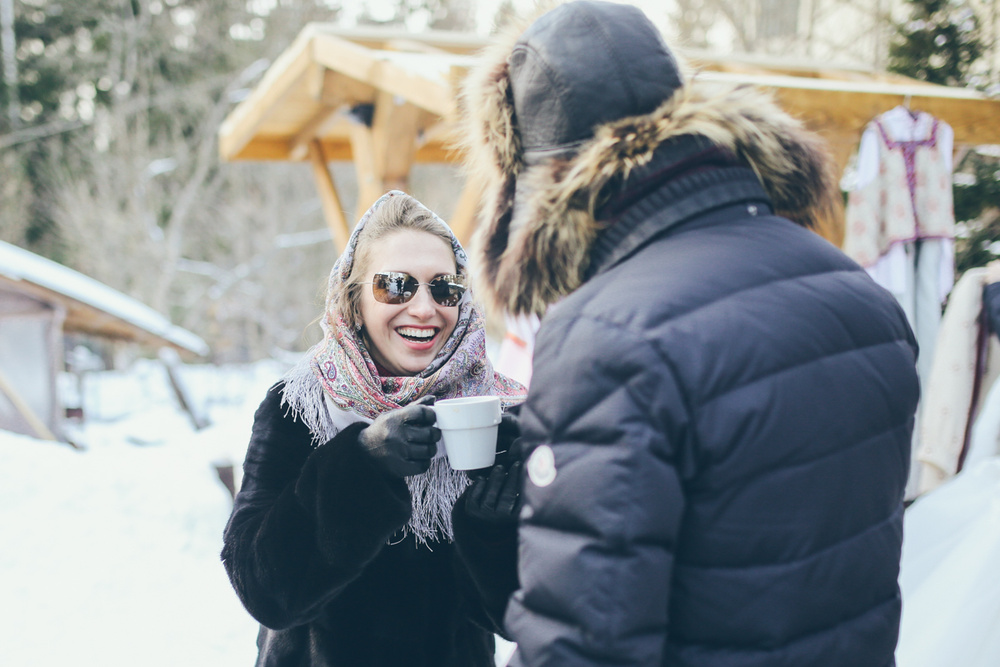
<point x="532" y="261"/>
<point x="491" y="145"/>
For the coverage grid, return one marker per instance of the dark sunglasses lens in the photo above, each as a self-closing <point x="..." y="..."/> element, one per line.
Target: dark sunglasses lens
<point x="446" y="292"/>
<point x="393" y="288"/>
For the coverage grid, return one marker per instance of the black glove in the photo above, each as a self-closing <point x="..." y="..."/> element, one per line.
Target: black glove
<point x="508" y="431"/>
<point x="403" y="441"/>
<point x="496" y="498"/>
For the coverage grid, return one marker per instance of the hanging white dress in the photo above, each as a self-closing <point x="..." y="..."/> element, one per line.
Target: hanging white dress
<point x="900" y="220"/>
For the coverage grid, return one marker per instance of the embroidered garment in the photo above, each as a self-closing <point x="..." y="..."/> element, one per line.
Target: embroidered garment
<point x="900" y="221"/>
<point x="904" y="188"/>
<point x="337" y="383"/>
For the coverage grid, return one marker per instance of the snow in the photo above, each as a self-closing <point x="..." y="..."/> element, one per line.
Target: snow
<point x="19" y="264"/>
<point x="110" y="552"/>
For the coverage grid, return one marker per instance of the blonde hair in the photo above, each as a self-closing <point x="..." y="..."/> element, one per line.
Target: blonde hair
<point x="398" y="213"/>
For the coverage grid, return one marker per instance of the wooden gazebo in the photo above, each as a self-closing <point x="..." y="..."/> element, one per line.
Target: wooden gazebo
<point x="385" y="100"/>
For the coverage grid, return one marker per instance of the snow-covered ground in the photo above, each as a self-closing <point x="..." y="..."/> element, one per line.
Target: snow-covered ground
<point x="109" y="555"/>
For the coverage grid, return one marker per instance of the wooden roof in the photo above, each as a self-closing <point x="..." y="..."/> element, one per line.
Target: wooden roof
<point x="301" y="109"/>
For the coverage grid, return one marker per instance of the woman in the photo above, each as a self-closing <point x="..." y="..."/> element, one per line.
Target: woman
<point x="341" y="542"/>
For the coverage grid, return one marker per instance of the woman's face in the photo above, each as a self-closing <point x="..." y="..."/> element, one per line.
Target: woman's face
<point x="405" y="338"/>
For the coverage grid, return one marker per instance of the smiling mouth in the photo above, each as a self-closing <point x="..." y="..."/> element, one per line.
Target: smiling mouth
<point x="417" y="335"/>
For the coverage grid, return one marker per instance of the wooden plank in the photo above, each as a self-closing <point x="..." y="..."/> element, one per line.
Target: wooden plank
<point x="847" y="106"/>
<point x="840" y="113"/>
<point x="269" y="149"/>
<point x="333" y="211"/>
<point x="338" y="149"/>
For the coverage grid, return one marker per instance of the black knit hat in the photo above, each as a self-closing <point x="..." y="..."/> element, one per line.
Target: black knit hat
<point x="584" y="64"/>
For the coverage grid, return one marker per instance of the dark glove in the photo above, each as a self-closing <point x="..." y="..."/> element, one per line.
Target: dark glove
<point x="495" y="498"/>
<point x="403" y="441"/>
<point x="508" y="431"/>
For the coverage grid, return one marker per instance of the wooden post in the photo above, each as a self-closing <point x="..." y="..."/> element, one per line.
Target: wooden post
<point x="394" y="139"/>
<point x="332" y="209"/>
<point x="370" y="185"/>
<point x="383" y="153"/>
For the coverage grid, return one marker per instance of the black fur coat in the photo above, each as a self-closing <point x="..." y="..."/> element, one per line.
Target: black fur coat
<point x="311" y="549"/>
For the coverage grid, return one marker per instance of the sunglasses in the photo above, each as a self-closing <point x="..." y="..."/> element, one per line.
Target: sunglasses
<point x="396" y="287"/>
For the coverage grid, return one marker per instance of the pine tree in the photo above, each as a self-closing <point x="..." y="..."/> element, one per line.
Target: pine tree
<point x="939" y="44"/>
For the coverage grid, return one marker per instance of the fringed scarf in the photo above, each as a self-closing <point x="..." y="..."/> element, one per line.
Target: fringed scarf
<point x="337" y="383"/>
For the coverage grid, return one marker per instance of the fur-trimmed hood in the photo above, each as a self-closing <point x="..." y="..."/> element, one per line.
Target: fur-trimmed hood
<point x="540" y="213"/>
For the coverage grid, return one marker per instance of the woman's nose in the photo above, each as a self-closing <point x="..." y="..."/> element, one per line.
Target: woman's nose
<point x="422" y="304"/>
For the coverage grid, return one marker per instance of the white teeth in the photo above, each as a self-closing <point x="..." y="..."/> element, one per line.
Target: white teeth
<point x="412" y="332"/>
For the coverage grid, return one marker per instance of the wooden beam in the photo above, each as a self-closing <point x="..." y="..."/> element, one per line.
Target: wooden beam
<point x="340" y="90"/>
<point x="299" y="146"/>
<point x="333" y="211"/>
<point x="388" y="74"/>
<point x="338" y="149"/>
<point x="847" y="106"/>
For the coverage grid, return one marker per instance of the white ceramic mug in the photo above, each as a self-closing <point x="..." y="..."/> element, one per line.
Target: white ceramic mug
<point x="469" y="430"/>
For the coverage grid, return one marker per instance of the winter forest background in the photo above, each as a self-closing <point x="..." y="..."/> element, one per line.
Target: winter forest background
<point x="109" y="111"/>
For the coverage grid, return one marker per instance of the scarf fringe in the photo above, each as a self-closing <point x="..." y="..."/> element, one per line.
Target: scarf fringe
<point x="432" y="494"/>
<point x="305" y="397"/>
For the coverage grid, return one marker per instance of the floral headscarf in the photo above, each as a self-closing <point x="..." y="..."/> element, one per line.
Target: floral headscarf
<point x="345" y="367"/>
<point x="338" y="383"/>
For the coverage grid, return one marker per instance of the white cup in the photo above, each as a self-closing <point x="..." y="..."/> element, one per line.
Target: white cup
<point x="469" y="430"/>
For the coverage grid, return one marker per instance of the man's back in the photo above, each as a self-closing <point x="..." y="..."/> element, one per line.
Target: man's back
<point x="729" y="409"/>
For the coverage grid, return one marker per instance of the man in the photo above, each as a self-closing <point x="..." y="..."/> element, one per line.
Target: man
<point x="718" y="426"/>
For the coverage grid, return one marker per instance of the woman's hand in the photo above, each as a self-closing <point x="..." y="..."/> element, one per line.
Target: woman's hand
<point x="403" y="441"/>
<point x="508" y="432"/>
<point x="496" y="498"/>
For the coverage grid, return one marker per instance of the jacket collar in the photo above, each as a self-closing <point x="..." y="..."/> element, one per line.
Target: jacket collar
<point x="658" y="199"/>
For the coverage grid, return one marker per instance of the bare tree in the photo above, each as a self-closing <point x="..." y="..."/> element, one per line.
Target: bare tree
<point x="849" y="32"/>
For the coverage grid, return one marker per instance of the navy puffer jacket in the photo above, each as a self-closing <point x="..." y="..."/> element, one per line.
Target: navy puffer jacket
<point x="730" y="442"/>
